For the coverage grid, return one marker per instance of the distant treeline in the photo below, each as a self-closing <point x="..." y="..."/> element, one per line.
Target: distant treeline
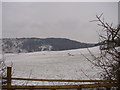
<point x="18" y="45"/>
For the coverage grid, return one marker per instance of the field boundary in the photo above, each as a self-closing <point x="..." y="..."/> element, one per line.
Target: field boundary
<point x="97" y="83"/>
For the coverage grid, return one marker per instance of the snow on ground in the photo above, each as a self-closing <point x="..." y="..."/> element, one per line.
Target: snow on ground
<point x="69" y="64"/>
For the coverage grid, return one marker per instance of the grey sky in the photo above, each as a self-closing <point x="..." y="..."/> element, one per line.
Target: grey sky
<point x="0" y="20"/>
<point x="119" y="12"/>
<point x="60" y="20"/>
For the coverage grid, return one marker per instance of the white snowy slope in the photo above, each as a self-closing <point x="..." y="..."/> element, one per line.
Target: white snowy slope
<point x="69" y="64"/>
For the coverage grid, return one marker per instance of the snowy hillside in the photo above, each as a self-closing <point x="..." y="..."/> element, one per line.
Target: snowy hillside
<point x="69" y="64"/>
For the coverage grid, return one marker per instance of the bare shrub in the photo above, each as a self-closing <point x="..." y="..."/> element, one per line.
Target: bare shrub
<point x="109" y="59"/>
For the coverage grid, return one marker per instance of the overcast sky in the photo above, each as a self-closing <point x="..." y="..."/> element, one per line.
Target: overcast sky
<point x="56" y="19"/>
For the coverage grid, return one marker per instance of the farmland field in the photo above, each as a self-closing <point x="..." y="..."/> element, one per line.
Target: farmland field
<point x="69" y="64"/>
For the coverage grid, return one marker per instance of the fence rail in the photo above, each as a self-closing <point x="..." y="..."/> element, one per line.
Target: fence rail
<point x="62" y="80"/>
<point x="99" y="83"/>
<point x="62" y="86"/>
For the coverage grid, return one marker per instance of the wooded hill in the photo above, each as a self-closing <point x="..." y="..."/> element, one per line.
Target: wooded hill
<point x="19" y="45"/>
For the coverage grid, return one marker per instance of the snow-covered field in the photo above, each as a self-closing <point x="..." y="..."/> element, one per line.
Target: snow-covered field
<point x="69" y="64"/>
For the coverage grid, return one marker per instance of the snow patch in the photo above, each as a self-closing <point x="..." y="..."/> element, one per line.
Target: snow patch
<point x="68" y="64"/>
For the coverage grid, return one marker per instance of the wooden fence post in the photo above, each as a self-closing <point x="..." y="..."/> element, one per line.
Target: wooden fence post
<point x="31" y="89"/>
<point x="9" y="69"/>
<point x="53" y="89"/>
<point x="79" y="89"/>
